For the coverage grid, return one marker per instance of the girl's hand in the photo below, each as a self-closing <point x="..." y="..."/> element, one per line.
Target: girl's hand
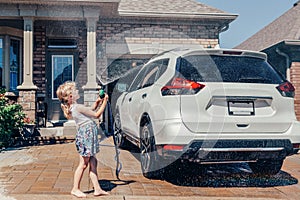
<point x="100" y="101"/>
<point x="106" y="97"/>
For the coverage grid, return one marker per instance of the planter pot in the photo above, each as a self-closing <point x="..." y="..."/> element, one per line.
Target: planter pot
<point x="28" y="130"/>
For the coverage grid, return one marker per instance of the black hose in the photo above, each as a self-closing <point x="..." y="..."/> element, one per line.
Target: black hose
<point x="111" y="132"/>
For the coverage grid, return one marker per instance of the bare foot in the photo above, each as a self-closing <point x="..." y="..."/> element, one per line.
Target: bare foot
<point x="78" y="193"/>
<point x="100" y="193"/>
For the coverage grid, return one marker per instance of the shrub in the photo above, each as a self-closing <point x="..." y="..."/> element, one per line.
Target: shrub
<point x="11" y="120"/>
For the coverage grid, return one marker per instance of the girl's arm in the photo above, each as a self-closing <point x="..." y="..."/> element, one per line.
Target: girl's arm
<point x="95" y="105"/>
<point x="94" y="114"/>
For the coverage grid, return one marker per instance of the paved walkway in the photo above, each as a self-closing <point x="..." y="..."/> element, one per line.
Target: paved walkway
<point x="46" y="172"/>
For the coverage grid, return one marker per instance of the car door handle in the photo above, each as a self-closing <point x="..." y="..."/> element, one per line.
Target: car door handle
<point x="144" y="96"/>
<point x="129" y="99"/>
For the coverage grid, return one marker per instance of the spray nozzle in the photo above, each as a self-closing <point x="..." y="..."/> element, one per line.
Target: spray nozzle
<point x="101" y="94"/>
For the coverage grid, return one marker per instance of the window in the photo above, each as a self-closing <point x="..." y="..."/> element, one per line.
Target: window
<point x="10" y="62"/>
<point x="1" y="61"/>
<point x="228" y="69"/>
<point x="14" y="64"/>
<point x="149" y="74"/>
<point x="150" y="77"/>
<point x="62" y="71"/>
<point x="135" y="85"/>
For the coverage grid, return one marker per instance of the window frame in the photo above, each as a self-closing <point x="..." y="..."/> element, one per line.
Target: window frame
<point x="6" y="44"/>
<point x="2" y="61"/>
<point x="53" y="92"/>
<point x="139" y="81"/>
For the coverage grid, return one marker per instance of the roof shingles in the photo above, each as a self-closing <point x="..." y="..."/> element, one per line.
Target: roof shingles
<point x="166" y="6"/>
<point x="286" y="27"/>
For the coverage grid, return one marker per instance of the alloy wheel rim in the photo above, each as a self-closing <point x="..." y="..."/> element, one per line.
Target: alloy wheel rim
<point x="145" y="149"/>
<point x="117" y="130"/>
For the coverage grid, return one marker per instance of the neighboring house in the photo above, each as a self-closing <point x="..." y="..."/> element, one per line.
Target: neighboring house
<point x="46" y="42"/>
<point x="281" y="41"/>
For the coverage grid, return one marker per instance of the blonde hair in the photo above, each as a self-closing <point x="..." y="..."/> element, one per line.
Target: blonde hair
<point x="63" y="92"/>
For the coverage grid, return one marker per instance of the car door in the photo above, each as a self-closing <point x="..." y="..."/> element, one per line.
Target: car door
<point x="134" y="102"/>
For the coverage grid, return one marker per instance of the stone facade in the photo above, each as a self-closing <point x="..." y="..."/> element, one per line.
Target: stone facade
<point x="27" y="99"/>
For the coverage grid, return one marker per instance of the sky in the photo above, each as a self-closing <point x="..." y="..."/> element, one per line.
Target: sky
<point x="253" y="16"/>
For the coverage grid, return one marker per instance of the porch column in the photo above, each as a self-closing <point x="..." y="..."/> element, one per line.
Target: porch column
<point x="91" y="53"/>
<point x="27" y="91"/>
<point x="27" y="55"/>
<point x="91" y="87"/>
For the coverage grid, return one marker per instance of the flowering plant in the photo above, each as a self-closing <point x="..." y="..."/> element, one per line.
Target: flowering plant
<point x="27" y="120"/>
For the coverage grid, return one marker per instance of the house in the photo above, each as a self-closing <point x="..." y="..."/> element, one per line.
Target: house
<point x="46" y="42"/>
<point x="281" y="41"/>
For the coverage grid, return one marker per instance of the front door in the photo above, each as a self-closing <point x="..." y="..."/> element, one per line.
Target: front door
<point x="61" y="67"/>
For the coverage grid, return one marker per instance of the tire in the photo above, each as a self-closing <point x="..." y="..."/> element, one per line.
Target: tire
<point x="149" y="157"/>
<point x="119" y="138"/>
<point x="266" y="167"/>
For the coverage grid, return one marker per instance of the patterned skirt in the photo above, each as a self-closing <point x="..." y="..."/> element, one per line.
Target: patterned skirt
<point x="87" y="143"/>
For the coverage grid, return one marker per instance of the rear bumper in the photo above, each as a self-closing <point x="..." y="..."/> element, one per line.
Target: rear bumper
<point x="229" y="150"/>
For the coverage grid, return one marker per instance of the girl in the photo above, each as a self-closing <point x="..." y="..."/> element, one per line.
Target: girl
<point x="87" y="143"/>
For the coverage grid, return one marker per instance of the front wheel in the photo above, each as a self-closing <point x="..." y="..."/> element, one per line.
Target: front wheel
<point x="150" y="163"/>
<point x="119" y="138"/>
<point x="266" y="167"/>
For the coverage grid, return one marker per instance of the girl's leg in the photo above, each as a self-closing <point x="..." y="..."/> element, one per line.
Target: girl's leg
<point x="83" y="163"/>
<point x="94" y="177"/>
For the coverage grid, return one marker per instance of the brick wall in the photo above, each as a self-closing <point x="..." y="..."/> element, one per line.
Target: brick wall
<point x="39" y="58"/>
<point x="40" y="53"/>
<point x="120" y="35"/>
<point x="114" y="32"/>
<point x="295" y="80"/>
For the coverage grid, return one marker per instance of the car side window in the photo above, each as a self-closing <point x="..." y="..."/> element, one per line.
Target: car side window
<point x="134" y="86"/>
<point x="149" y="74"/>
<point x="155" y="70"/>
<point x="163" y="67"/>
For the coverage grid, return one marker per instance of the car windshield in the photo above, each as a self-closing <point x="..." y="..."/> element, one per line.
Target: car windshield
<point x="203" y="68"/>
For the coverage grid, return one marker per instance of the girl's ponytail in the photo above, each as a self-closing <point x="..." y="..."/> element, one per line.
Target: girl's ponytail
<point x="66" y="110"/>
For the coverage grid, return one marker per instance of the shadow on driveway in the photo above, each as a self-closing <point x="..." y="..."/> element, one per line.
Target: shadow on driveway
<point x="223" y="175"/>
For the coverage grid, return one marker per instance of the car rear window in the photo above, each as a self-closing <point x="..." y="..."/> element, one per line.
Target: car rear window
<point x="214" y="68"/>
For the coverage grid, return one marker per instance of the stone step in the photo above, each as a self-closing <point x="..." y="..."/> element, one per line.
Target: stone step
<point x="68" y="129"/>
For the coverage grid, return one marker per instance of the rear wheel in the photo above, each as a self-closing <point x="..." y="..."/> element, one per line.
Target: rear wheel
<point x="266" y="167"/>
<point x="150" y="163"/>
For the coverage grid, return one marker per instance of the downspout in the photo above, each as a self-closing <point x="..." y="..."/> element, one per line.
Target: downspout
<point x="223" y="29"/>
<point x="287" y="60"/>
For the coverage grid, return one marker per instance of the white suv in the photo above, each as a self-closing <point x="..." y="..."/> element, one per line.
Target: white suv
<point x="208" y="106"/>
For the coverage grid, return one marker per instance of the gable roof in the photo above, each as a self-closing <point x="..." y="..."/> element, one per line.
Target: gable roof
<point x="183" y="9"/>
<point x="171" y="8"/>
<point x="286" y="27"/>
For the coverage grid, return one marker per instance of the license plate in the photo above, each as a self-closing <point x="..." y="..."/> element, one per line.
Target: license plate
<point x="241" y="108"/>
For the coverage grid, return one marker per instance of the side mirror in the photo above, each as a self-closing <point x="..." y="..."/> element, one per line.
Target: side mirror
<point x="122" y="87"/>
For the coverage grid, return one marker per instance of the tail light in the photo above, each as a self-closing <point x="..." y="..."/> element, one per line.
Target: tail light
<point x="286" y="89"/>
<point x="181" y="86"/>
